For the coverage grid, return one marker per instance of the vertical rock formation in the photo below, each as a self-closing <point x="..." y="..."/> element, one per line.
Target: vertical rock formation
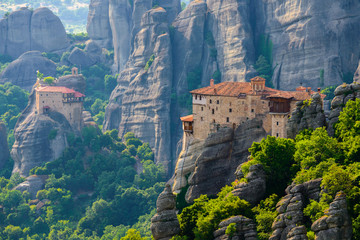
<point x="207" y="166"/>
<point x="311" y="41"/>
<point x="25" y="30"/>
<point x="165" y="224"/>
<point x="4" y="150"/>
<point x="245" y="229"/>
<point x="343" y="94"/>
<point x="141" y="101"/>
<point x="22" y="71"/>
<point x="98" y="25"/>
<point x="229" y="23"/>
<point x="289" y="224"/>
<point x="336" y="224"/>
<point x="307" y="115"/>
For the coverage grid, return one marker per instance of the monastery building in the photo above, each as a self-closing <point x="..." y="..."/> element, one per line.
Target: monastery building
<point x="229" y="104"/>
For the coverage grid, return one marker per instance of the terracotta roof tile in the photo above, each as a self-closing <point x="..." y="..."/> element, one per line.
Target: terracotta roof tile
<point x="59" y="89"/>
<point x="189" y="118"/>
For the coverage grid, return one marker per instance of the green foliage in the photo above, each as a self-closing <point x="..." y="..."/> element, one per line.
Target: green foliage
<point x="231" y="230"/>
<point x="52" y="56"/>
<point x="53" y="134"/>
<point x="193" y="78"/>
<point x="49" y="80"/>
<point x="183" y="6"/>
<point x="315" y="210"/>
<point x="322" y="80"/>
<point x="209" y="39"/>
<point x="310" y="235"/>
<point x="264" y="69"/>
<point x="149" y="62"/>
<point x="110" y="83"/>
<point x="78" y="37"/>
<point x="329" y="92"/>
<point x="217" y="76"/>
<point x="277" y="157"/>
<point x="348" y="77"/>
<point x="265" y="48"/>
<point x="199" y="220"/>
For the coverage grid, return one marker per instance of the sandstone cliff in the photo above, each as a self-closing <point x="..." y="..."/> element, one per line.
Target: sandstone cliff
<point x="25" y="30"/>
<point x="4" y="150"/>
<point x="218" y="156"/>
<point x="22" y="71"/>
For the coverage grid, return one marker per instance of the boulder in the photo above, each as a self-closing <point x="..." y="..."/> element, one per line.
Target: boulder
<point x="32" y="184"/>
<point x="245" y="229"/>
<point x="76" y="82"/>
<point x="22" y="71"/>
<point x="165" y="224"/>
<point x="81" y="58"/>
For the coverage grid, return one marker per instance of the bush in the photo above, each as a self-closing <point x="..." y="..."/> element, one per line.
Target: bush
<point x="149" y="62"/>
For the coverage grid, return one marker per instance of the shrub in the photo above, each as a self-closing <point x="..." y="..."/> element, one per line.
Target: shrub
<point x="149" y="62"/>
<point x="53" y="134"/>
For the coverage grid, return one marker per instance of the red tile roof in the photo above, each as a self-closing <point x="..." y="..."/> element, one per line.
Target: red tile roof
<point x="234" y="89"/>
<point x="59" y="89"/>
<point x="189" y="118"/>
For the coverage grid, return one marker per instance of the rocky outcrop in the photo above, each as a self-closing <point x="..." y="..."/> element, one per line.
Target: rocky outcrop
<point x="33" y="146"/>
<point x="307" y="115"/>
<point x="25" y="30"/>
<point x="32" y="185"/>
<point x="165" y="224"/>
<point x="76" y="82"/>
<point x="98" y="26"/>
<point x="218" y="156"/>
<point x="245" y="229"/>
<point x="254" y="189"/>
<point x="311" y="42"/>
<point x="81" y="58"/>
<point x="141" y="101"/>
<point x="357" y="74"/>
<point x="289" y="224"/>
<point x="336" y="224"/>
<point x="22" y="71"/>
<point x="343" y="94"/>
<point x="4" y="149"/>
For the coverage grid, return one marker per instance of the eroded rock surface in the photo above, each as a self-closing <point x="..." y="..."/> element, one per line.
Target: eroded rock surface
<point x="32" y="185"/>
<point x="165" y="224"/>
<point x="343" y="94"/>
<point x="25" y="30"/>
<point x="254" y="189"/>
<point x="336" y="224"/>
<point x="245" y="229"/>
<point x="289" y="224"/>
<point x="307" y="115"/>
<point x="22" y="71"/>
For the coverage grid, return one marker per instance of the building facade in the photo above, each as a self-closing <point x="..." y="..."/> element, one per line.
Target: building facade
<point x="63" y="100"/>
<point x="230" y="104"/>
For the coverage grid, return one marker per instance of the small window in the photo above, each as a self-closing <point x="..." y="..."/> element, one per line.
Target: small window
<point x="216" y="108"/>
<point x="43" y="102"/>
<point x="213" y="111"/>
<point x="217" y="102"/>
<point x="202" y="108"/>
<point x="252" y="110"/>
<point x="227" y="119"/>
<point x="210" y="101"/>
<point x="230" y="103"/>
<point x="202" y="119"/>
<point x="277" y="134"/>
<point x="200" y="97"/>
<point x="230" y="110"/>
<point x="214" y="121"/>
<point x="277" y="123"/>
<point x="263" y="102"/>
<point x="40" y="94"/>
<point x="195" y="97"/>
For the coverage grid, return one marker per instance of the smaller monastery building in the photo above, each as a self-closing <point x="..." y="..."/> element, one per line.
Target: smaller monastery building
<point x="63" y="100"/>
<point x="229" y="104"/>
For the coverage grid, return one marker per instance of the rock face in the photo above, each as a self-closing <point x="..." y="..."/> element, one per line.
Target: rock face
<point x="165" y="224"/>
<point x="308" y="39"/>
<point x="289" y="224"/>
<point x="32" y="145"/>
<point x="25" y="30"/>
<point x="141" y="101"/>
<point x="76" y="82"/>
<point x="254" y="189"/>
<point x="22" y="71"/>
<point x="218" y="156"/>
<point x="343" y="94"/>
<point x="336" y="224"/>
<point x="4" y="150"/>
<point x="32" y="184"/>
<point x="81" y="58"/>
<point x="307" y="115"/>
<point x="245" y="229"/>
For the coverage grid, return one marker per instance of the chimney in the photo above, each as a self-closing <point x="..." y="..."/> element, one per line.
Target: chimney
<point x="212" y="83"/>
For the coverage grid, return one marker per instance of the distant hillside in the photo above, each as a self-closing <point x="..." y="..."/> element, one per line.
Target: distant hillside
<point x="73" y="13"/>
